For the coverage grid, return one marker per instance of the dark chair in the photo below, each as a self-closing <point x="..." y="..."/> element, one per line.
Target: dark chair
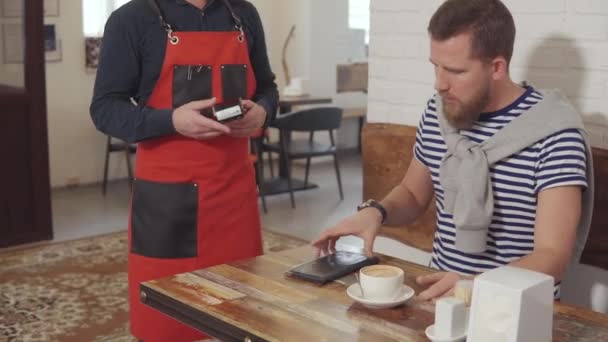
<point x="118" y="146"/>
<point x="311" y="121"/>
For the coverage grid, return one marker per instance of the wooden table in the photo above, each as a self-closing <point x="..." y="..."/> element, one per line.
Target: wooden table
<point x="252" y="300"/>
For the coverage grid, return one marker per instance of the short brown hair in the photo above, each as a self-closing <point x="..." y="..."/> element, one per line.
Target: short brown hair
<point x="489" y="21"/>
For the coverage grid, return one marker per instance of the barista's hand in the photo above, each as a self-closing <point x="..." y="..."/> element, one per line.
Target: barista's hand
<point x="252" y="120"/>
<point x="189" y="121"/>
<point x="440" y="284"/>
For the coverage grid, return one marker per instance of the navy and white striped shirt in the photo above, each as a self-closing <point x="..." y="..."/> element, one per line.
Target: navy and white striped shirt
<point x="557" y="160"/>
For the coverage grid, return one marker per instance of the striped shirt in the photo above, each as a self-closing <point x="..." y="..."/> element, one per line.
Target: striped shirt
<point x="557" y="160"/>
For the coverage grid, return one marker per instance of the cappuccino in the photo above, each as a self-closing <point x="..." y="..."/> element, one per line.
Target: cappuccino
<point x="380" y="282"/>
<point x="381" y="271"/>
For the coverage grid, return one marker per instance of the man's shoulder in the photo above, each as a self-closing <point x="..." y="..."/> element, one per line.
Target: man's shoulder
<point x="430" y="109"/>
<point x="135" y="11"/>
<point x="133" y="16"/>
<point x="243" y="7"/>
<point x="246" y="11"/>
<point x="134" y="8"/>
<point x="572" y="137"/>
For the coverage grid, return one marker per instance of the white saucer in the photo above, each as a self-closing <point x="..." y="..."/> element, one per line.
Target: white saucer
<point x="354" y="292"/>
<point x="430" y="333"/>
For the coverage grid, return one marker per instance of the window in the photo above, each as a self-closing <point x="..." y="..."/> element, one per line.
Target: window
<point x="358" y="16"/>
<point x="95" y="13"/>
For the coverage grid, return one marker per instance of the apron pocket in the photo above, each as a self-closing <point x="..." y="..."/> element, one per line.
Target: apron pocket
<point x="234" y="82"/>
<point x="164" y="219"/>
<point x="191" y="83"/>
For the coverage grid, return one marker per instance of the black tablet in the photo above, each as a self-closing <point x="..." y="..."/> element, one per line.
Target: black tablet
<point x="331" y="267"/>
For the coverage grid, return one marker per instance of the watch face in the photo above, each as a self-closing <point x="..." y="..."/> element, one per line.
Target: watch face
<point x="365" y="204"/>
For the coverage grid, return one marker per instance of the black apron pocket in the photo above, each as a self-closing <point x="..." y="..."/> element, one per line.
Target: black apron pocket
<point x="234" y="83"/>
<point x="164" y="219"/>
<point x="191" y="83"/>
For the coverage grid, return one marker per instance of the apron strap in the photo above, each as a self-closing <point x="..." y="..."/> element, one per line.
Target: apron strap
<point x="166" y="26"/>
<point x="237" y="21"/>
<point x="161" y="15"/>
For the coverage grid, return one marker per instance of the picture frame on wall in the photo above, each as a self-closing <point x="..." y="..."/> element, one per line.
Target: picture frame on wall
<point x="52" y="45"/>
<point x="92" y="49"/>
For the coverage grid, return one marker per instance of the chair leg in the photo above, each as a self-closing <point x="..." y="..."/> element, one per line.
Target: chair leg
<point x="307" y="172"/>
<point x="129" y="167"/>
<point x="259" y="174"/>
<point x="338" y="176"/>
<point x="361" y="123"/>
<point x="289" y="185"/>
<point x="104" y="183"/>
<point x="288" y="162"/>
<point x="270" y="164"/>
<point x="310" y="141"/>
<point x="261" y="188"/>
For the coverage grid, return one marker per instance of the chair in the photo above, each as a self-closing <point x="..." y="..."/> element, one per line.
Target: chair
<point x="121" y="146"/>
<point x="387" y="152"/>
<point x="311" y="121"/>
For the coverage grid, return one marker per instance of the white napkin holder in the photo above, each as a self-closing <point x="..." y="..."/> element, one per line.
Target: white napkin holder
<point x="511" y="304"/>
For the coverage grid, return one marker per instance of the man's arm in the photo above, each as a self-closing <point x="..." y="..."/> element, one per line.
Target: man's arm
<point x="557" y="216"/>
<point x="267" y="94"/>
<point x="403" y="205"/>
<point x="117" y="81"/>
<point x="408" y="200"/>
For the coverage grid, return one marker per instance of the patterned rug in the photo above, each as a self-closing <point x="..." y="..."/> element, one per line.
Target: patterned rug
<point x="76" y="290"/>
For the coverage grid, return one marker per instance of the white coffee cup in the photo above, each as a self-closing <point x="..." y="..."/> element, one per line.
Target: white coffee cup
<point x="381" y="282"/>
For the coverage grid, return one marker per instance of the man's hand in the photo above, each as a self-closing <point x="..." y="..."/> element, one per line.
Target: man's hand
<point x="254" y="118"/>
<point x="438" y="285"/>
<point x="188" y="121"/>
<point x="365" y="224"/>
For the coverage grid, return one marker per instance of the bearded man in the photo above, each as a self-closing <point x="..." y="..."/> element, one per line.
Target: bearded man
<point x="508" y="165"/>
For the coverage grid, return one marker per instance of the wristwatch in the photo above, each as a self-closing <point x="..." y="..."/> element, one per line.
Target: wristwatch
<point x="372" y="203"/>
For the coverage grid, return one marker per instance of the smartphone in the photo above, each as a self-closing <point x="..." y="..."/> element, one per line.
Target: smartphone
<point x="230" y="113"/>
<point x="332" y="266"/>
<point x="225" y="112"/>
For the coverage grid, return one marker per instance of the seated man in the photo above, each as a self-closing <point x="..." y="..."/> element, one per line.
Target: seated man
<point x="507" y="164"/>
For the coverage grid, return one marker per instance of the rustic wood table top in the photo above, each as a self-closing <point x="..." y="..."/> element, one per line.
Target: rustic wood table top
<point x="253" y="300"/>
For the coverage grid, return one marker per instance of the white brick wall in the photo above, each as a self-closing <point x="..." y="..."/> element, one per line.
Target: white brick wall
<point x="560" y="44"/>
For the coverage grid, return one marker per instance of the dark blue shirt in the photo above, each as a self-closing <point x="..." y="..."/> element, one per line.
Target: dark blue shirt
<point x="132" y="56"/>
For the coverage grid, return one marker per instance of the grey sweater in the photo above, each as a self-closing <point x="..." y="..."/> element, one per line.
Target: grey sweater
<point x="465" y="176"/>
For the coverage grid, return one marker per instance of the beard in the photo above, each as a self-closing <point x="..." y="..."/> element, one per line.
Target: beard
<point x="462" y="115"/>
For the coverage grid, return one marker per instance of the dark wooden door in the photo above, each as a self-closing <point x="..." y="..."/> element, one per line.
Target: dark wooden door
<point x="25" y="205"/>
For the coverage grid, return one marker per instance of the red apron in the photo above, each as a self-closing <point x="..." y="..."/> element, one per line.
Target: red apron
<point x="194" y="203"/>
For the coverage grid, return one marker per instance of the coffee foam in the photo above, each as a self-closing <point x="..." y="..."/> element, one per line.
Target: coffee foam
<point x="381" y="271"/>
